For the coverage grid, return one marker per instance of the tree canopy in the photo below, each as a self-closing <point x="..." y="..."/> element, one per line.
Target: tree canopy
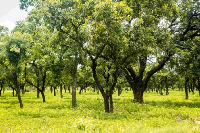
<point x="113" y="41"/>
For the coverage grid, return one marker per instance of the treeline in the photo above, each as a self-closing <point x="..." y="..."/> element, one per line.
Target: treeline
<point x="106" y="45"/>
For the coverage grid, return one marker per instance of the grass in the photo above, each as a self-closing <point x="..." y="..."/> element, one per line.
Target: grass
<point x="159" y="114"/>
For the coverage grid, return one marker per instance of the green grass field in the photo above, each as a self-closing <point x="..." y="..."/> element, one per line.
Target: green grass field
<point x="159" y="114"/>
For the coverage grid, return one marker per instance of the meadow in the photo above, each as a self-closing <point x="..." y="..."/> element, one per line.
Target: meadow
<point x="159" y="114"/>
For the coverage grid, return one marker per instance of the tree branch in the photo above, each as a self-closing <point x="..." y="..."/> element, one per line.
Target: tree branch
<point x="156" y="69"/>
<point x="94" y="65"/>
<point x="143" y="61"/>
<point x="31" y="84"/>
<point x="129" y="78"/>
<point x="132" y="72"/>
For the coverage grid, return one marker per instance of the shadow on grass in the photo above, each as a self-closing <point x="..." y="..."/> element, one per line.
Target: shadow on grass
<point x="174" y="104"/>
<point x="60" y="106"/>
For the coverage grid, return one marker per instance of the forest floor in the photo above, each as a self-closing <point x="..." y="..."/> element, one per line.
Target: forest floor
<point x="159" y="114"/>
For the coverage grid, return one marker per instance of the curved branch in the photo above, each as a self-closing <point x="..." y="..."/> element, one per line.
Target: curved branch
<point x="156" y="69"/>
<point x="132" y="72"/>
<point x="143" y="62"/>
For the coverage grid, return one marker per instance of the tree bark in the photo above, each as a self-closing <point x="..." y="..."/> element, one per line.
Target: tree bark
<point x="43" y="96"/>
<point x="138" y="82"/>
<point x="38" y="93"/>
<point x="106" y="104"/>
<point x="51" y="89"/>
<point x="13" y="92"/>
<point x="198" y="84"/>
<point x="65" y="89"/>
<point x="61" y="95"/>
<point x="54" y="90"/>
<point x="18" y="89"/>
<point x="186" y="87"/>
<point x="111" y="104"/>
<point x="22" y="88"/>
<point x="69" y="88"/>
<point x="167" y="87"/>
<point x="1" y="87"/>
<point x="161" y="87"/>
<point x="74" y="104"/>
<point x="80" y="90"/>
<point x="119" y="90"/>
<point x="138" y="96"/>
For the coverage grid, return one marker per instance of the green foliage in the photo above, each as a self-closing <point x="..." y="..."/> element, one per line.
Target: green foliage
<point x="139" y="36"/>
<point x="160" y="114"/>
<point x="16" y="48"/>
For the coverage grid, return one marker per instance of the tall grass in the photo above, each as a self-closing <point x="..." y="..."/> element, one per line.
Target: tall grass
<point x="170" y="114"/>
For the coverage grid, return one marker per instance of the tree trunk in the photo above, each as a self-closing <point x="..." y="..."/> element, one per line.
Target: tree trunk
<point x="186" y="88"/>
<point x="22" y="88"/>
<point x="167" y="91"/>
<point x="80" y="90"/>
<point x="106" y="104"/>
<point x="74" y="90"/>
<point x="167" y="88"/>
<point x="198" y="84"/>
<point x="65" y="89"/>
<point x="138" y="96"/>
<point x="161" y="88"/>
<point x="61" y="95"/>
<point x="13" y="92"/>
<point x="38" y="93"/>
<point x="1" y="87"/>
<point x="111" y="104"/>
<point x="69" y="88"/>
<point x="43" y="96"/>
<point x="54" y="90"/>
<point x="119" y="90"/>
<point x="18" y="89"/>
<point x="51" y="89"/>
<point x="19" y="98"/>
<point x="192" y="87"/>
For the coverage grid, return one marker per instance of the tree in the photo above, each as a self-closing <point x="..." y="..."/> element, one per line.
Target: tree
<point x="84" y="77"/>
<point x="4" y="33"/>
<point x="15" y="49"/>
<point x="151" y="36"/>
<point x="67" y="21"/>
<point x="64" y="22"/>
<point x="40" y="59"/>
<point x="189" y="32"/>
<point x="107" y="46"/>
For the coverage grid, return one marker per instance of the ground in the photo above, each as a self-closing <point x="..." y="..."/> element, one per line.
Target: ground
<point x="159" y="114"/>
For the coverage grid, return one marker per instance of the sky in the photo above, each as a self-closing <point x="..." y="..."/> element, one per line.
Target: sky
<point x="10" y="13"/>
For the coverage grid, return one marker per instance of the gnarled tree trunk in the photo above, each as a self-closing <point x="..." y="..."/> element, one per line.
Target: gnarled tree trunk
<point x="138" y="82"/>
<point x="138" y="96"/>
